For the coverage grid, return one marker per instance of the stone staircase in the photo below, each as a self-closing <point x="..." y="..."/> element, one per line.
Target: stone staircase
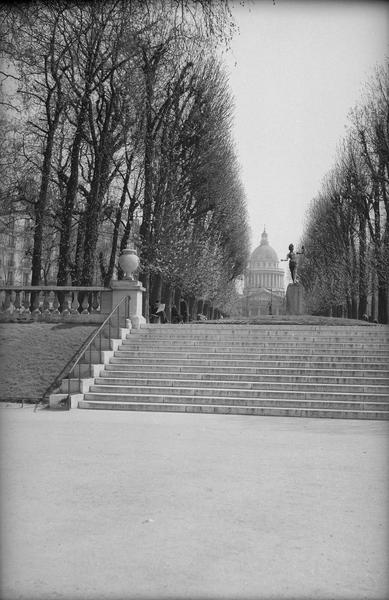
<point x="279" y="370"/>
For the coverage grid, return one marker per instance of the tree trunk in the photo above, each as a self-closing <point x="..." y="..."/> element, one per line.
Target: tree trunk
<point x="92" y="216"/>
<point x="71" y="194"/>
<point x="382" y="300"/>
<point x="145" y="279"/>
<point x="41" y="205"/>
<point x="362" y="308"/>
<point x="382" y="284"/>
<point x="354" y="307"/>
<point x="156" y="289"/>
<point x="145" y="228"/>
<point x="115" y="237"/>
<point x="373" y="306"/>
<point x="354" y="278"/>
<point x="349" y="308"/>
<point x="177" y="297"/>
<point x="167" y="298"/>
<point x="78" y="259"/>
<point x="192" y="308"/>
<point x="103" y="157"/>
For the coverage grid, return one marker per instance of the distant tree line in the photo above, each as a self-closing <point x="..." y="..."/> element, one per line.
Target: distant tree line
<point x="117" y="119"/>
<point x="347" y="233"/>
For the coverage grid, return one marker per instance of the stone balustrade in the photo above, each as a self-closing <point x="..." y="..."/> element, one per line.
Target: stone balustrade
<point x="70" y="303"/>
<point x="54" y="302"/>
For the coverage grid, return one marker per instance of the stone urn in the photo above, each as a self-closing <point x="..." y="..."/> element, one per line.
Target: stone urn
<point x="129" y="262"/>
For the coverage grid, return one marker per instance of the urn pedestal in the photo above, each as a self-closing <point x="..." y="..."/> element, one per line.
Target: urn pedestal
<point x="129" y="262"/>
<point x="134" y="290"/>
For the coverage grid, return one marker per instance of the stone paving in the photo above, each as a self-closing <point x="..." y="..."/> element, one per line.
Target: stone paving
<point x="128" y="506"/>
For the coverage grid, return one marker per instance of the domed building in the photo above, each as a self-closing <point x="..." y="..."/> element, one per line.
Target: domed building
<point x="264" y="291"/>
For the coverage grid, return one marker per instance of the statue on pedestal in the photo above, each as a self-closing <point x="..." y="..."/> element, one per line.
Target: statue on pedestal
<point x="292" y="257"/>
<point x="295" y="301"/>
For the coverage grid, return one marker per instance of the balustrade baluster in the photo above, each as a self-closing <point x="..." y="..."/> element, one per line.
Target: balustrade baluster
<point x="85" y="304"/>
<point x="36" y="300"/>
<point x="55" y="303"/>
<point x="74" y="305"/>
<point x="61" y="300"/>
<point x="12" y="297"/>
<point x="18" y="304"/>
<point x="46" y="303"/>
<point x="2" y="300"/>
<point x="26" y="302"/>
<point x="95" y="302"/>
<point x="7" y="301"/>
<point x="67" y="303"/>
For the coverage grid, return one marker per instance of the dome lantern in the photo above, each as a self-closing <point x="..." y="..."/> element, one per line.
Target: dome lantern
<point x="264" y="238"/>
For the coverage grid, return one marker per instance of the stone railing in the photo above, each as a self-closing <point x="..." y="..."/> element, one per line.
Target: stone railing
<point x="52" y="302"/>
<point x="67" y="303"/>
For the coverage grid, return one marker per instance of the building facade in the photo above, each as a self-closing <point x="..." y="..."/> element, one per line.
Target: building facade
<point x="264" y="291"/>
<point x="16" y="247"/>
<point x="15" y="250"/>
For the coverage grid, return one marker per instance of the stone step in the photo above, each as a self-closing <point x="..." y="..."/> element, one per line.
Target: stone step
<point x="212" y="346"/>
<point x="309" y="402"/>
<point x="232" y="327"/>
<point x="259" y="368"/>
<point x="260" y="383"/>
<point x="267" y="408"/>
<point x="221" y="354"/>
<point x="229" y="377"/>
<point x="235" y="394"/>
<point x="289" y="370"/>
<point x="265" y="360"/>
<point x="264" y="330"/>
<point x="285" y="340"/>
<point x="345" y="334"/>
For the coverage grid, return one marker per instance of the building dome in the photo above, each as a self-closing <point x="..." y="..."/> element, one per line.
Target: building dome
<point x="264" y="281"/>
<point x="264" y="252"/>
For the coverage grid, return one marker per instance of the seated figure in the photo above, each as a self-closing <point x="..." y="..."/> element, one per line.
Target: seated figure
<point x="157" y="313"/>
<point x="176" y="317"/>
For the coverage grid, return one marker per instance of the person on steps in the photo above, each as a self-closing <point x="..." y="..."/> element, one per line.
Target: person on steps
<point x="184" y="310"/>
<point x="176" y="317"/>
<point x="158" y="313"/>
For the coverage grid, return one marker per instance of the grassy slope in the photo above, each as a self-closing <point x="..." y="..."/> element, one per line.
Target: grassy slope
<point x="33" y="354"/>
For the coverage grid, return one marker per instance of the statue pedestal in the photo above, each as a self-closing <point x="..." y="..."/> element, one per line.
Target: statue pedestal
<point x="295" y="302"/>
<point x="133" y="289"/>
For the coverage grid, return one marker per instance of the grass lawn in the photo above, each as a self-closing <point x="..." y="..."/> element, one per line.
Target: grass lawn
<point x="33" y="354"/>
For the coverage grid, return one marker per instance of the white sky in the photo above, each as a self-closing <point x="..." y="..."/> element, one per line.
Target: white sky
<point x="296" y="70"/>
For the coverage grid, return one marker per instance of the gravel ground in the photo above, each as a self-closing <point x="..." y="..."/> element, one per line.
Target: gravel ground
<point x="134" y="506"/>
<point x="33" y="354"/>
